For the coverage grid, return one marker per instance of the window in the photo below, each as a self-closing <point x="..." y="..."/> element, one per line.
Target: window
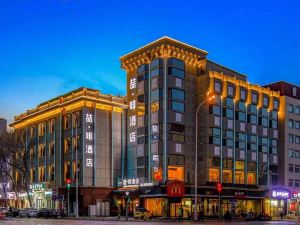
<point x="177" y="94"/>
<point x="216" y="131"/>
<point x="291" y="108"/>
<point x="67" y="122"/>
<point x="251" y="178"/>
<point x="156" y="94"/>
<point x="252" y="138"/>
<point x="263" y="140"/>
<point x="155" y="72"/>
<point x="273" y="124"/>
<point x="228" y="134"/>
<point x="51" y="172"/>
<point x="241" y="106"/>
<point x="215" y="110"/>
<point x="291" y="153"/>
<point x="294" y="91"/>
<point x="230" y="91"/>
<point x="217" y="87"/>
<point x="41" y="174"/>
<point x="297" y="168"/>
<point x="241" y="136"/>
<point x="42" y="129"/>
<point x="176" y="72"/>
<point x="239" y="177"/>
<point x="229" y="102"/>
<point x="228" y="142"/>
<point x="215" y="140"/>
<point x="143" y="68"/>
<point x="240" y="116"/>
<point x="263" y="121"/>
<point x="52" y="125"/>
<point x="156" y="63"/>
<point x="297" y="110"/>
<point x="228" y="113"/>
<point x="265" y="101"/>
<point x="291" y="168"/>
<point x="297" y="183"/>
<point x="291" y="123"/>
<point x="173" y="127"/>
<point x="297" y="139"/>
<point x="297" y="154"/>
<point x="178" y="106"/>
<point x="297" y="125"/>
<point x="176" y="173"/>
<point x="254" y="98"/>
<point x="213" y="175"/>
<point x="67" y="145"/>
<point x="291" y="183"/>
<point x="176" y="63"/>
<point x="154" y="106"/>
<point x="275" y="104"/>
<point x="227" y="176"/>
<point x="242" y="95"/>
<point x="51" y="148"/>
<point x="214" y="162"/>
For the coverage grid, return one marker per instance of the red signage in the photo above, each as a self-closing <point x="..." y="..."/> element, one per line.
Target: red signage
<point x="175" y="189"/>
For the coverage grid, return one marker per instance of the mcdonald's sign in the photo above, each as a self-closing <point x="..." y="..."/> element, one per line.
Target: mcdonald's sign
<point x="175" y="189"/>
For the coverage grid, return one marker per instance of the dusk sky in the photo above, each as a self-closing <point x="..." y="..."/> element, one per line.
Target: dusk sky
<point x="50" y="47"/>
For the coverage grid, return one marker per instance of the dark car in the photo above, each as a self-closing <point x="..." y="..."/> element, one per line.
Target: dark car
<point x="44" y="212"/>
<point x="12" y="212"/>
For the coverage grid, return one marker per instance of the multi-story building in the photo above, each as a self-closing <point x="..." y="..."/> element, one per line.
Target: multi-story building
<point x="83" y="127"/>
<point x="238" y="135"/>
<point x="289" y="154"/>
<point x="3" y="125"/>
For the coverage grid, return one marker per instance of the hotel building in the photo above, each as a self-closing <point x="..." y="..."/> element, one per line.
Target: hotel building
<point x="237" y="135"/>
<point x="83" y="126"/>
<point x="289" y="153"/>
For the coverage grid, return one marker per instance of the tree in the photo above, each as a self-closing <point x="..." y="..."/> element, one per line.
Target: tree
<point x="15" y="153"/>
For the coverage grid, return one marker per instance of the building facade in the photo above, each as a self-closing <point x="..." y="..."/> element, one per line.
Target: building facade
<point x="289" y="154"/>
<point x="84" y="128"/>
<point x="238" y="135"/>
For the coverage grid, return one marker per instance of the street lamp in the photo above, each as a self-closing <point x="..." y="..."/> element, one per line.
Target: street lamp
<point x="210" y="99"/>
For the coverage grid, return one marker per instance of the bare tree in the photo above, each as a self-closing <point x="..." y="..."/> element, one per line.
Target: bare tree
<point x="15" y="153"/>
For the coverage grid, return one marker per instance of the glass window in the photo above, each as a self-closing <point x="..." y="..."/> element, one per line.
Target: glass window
<point x="263" y="148"/>
<point x="228" y="142"/>
<point x="215" y="110"/>
<point x="265" y="101"/>
<point x="176" y="173"/>
<point x="297" y="110"/>
<point x="228" y="113"/>
<point x="297" y="125"/>
<point x="239" y="165"/>
<point x="297" y="139"/>
<point x="176" y="137"/>
<point x="177" y="94"/>
<point x="213" y="175"/>
<point x="243" y="95"/>
<point x="252" y="138"/>
<point x="241" y="106"/>
<point x="263" y="140"/>
<point x="291" y="138"/>
<point x="229" y="102"/>
<point x="264" y="112"/>
<point x="252" y="119"/>
<point x="291" y="153"/>
<point x="143" y="68"/>
<point x="227" y="176"/>
<point x="291" y="123"/>
<point x="239" y="177"/>
<point x="263" y="121"/>
<point x="216" y="131"/>
<point x="251" y="178"/>
<point x="155" y="72"/>
<point x="275" y="104"/>
<point x="230" y="90"/>
<point x="214" y="140"/>
<point x="297" y="169"/>
<point x="297" y="154"/>
<point x="156" y="63"/>
<point x="176" y="63"/>
<point x="291" y="168"/>
<point x="240" y="144"/>
<point x="228" y="133"/>
<point x="291" y="108"/>
<point x="273" y="124"/>
<point x="156" y="94"/>
<point x="154" y="106"/>
<point x="217" y="87"/>
<point x="176" y="72"/>
<point x="241" y="136"/>
<point x="291" y="183"/>
<point x="253" y="109"/>
<point x="254" y="98"/>
<point x="178" y="106"/>
<point x="240" y="116"/>
<point x="173" y="127"/>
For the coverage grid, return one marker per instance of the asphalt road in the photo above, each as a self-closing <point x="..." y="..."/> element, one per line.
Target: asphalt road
<point x="90" y="222"/>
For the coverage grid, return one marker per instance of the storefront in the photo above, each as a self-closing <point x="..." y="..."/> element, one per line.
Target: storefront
<point x="41" y="196"/>
<point x="294" y="203"/>
<point x="276" y="202"/>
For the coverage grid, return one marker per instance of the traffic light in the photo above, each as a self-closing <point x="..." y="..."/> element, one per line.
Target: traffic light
<point x="219" y="187"/>
<point x="68" y="181"/>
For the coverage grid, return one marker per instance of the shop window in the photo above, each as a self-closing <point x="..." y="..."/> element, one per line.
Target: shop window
<point x="251" y="178"/>
<point x="213" y="175"/>
<point x="176" y="173"/>
<point x="239" y="177"/>
<point x="227" y="176"/>
<point x="227" y="163"/>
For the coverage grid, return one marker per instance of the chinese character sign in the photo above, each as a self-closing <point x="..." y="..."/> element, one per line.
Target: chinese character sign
<point x="89" y="140"/>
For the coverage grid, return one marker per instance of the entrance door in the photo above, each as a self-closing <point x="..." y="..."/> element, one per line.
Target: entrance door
<point x="174" y="208"/>
<point x="39" y="203"/>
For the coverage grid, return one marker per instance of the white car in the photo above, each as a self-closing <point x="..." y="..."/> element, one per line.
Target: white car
<point x="28" y="212"/>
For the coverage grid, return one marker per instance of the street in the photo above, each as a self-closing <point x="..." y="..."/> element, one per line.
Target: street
<point x="10" y="221"/>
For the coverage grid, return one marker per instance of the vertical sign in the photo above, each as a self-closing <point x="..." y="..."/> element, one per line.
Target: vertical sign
<point x="132" y="110"/>
<point x="89" y="139"/>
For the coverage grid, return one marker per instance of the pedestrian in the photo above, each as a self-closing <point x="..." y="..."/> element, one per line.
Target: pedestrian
<point x="281" y="215"/>
<point x="201" y="216"/>
<point x="180" y="212"/>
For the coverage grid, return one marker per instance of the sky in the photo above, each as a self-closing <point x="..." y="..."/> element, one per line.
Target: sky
<point x="50" y="47"/>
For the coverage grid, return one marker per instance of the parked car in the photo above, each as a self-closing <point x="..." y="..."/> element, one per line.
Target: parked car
<point x="44" y="212"/>
<point x="3" y="210"/>
<point x="2" y="215"/>
<point x="12" y="212"/>
<point x="32" y="212"/>
<point x="142" y="213"/>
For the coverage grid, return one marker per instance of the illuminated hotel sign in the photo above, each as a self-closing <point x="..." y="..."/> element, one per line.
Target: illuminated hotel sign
<point x="37" y="187"/>
<point x="132" y="110"/>
<point x="89" y="140"/>
<point x="281" y="194"/>
<point x="134" y="182"/>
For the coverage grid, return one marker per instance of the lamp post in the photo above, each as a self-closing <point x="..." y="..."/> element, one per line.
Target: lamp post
<point x="210" y="99"/>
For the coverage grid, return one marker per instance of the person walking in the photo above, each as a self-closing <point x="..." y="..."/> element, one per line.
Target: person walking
<point x="281" y="215"/>
<point x="201" y="216"/>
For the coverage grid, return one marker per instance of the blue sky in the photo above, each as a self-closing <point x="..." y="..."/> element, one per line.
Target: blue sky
<point x="49" y="47"/>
